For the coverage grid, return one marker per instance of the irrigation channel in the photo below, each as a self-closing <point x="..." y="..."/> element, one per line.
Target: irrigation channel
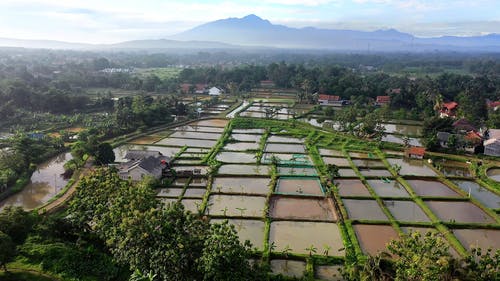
<point x="268" y="178"/>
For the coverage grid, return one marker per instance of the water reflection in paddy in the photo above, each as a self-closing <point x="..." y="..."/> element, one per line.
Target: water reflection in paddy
<point x="459" y="212"/>
<point x="483" y="195"/>
<point x="388" y="188"/>
<point x="303" y="208"/>
<point x="236" y="169"/>
<point x="413" y="167"/>
<point x="236" y="206"/>
<point x="195" y="135"/>
<point x="241" y="146"/>
<point x="352" y="187"/>
<point x="252" y="230"/>
<point x="236" y="157"/>
<point x="406" y="211"/>
<point x="187" y="142"/>
<point x="364" y="210"/>
<point x="328" y="272"/>
<point x="122" y="150"/>
<point x="482" y="238"/>
<point x="241" y="185"/>
<point x="246" y="137"/>
<point x="289" y="268"/>
<point x="432" y="188"/>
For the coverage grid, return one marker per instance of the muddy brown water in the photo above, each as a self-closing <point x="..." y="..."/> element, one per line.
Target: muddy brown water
<point x="286" y="148"/>
<point x="169" y="192"/>
<point x="352" y="188"/>
<point x="412" y="167"/>
<point x="374" y="238"/>
<point x="191" y="205"/>
<point x="44" y="184"/>
<point x="364" y="210"/>
<point x="243" y="185"/>
<point x="390" y="188"/>
<point x="195" y="135"/>
<point x="302" y="208"/>
<point x="432" y="188"/>
<point x="407" y="211"/>
<point x="368" y="163"/>
<point x="299" y="186"/>
<point x="410" y="130"/>
<point x="341" y="162"/>
<point x="211" y="123"/>
<point x="241" y="146"/>
<point x="482" y="238"/>
<point x="236" y="206"/>
<point x="187" y="142"/>
<point x="252" y="230"/>
<point x="459" y="212"/>
<point x="236" y="157"/>
<point x="483" y="195"/>
<point x="236" y="169"/>
<point x="301" y="235"/>
<point x="289" y="268"/>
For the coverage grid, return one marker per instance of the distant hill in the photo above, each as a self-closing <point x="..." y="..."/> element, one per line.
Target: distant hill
<point x="252" y="30"/>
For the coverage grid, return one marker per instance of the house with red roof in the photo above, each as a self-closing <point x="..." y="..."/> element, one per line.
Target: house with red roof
<point x="415" y="152"/>
<point x="493" y="105"/>
<point x="185" y="87"/>
<point x="325" y="99"/>
<point x="200" y="89"/>
<point x="382" y="100"/>
<point x="448" y="109"/>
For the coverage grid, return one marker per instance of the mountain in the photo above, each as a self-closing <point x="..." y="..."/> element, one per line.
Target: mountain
<point x="42" y="44"/>
<point x="252" y="30"/>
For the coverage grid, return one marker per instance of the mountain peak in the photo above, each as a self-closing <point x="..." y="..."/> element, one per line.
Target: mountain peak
<point x="251" y="17"/>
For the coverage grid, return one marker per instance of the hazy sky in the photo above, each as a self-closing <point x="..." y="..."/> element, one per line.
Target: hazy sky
<point x="106" y="21"/>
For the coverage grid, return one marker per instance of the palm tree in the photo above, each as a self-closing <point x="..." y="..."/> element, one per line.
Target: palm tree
<point x="311" y="249"/>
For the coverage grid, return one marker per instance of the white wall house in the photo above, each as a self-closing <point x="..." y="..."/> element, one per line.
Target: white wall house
<point x="492" y="145"/>
<point x="214" y="91"/>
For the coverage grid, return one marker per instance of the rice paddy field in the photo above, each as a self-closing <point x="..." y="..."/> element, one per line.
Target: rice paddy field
<point x="269" y="179"/>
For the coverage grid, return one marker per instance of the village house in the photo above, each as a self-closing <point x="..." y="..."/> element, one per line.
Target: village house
<point x="331" y="100"/>
<point x="449" y="109"/>
<point x="493" y="105"/>
<point x="463" y="126"/>
<point x="415" y="152"/>
<point x="200" y="89"/>
<point x="214" y="91"/>
<point x="185" y="88"/>
<point x="492" y="145"/>
<point x="142" y="163"/>
<point x="382" y="100"/>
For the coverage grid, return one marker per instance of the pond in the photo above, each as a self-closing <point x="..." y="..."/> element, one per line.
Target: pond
<point x="252" y="230"/>
<point x="364" y="210"/>
<point x="388" y="188"/>
<point x="292" y="208"/>
<point x="236" y="169"/>
<point x="236" y="157"/>
<point x="187" y="142"/>
<point x="374" y="238"/>
<point x="483" y="195"/>
<point x="236" y="206"/>
<point x="211" y="123"/>
<point x="298" y="186"/>
<point x="299" y="235"/>
<point x="494" y="174"/>
<point x="459" y="212"/>
<point x="286" y="148"/>
<point x="409" y="130"/>
<point x="289" y="268"/>
<point x="241" y="146"/>
<point x="407" y="211"/>
<point x="195" y="135"/>
<point x="352" y="188"/>
<point x="245" y="185"/>
<point x="432" y="188"/>
<point x="44" y="184"/>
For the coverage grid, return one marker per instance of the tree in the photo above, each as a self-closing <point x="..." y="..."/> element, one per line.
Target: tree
<point x="104" y="154"/>
<point x="7" y="250"/>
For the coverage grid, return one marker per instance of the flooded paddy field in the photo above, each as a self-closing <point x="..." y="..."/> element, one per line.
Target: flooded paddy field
<point x="299" y="186"/>
<point x="412" y="167"/>
<point x="190" y="128"/>
<point x="169" y="192"/>
<point x="241" y="146"/>
<point x="122" y="150"/>
<point x="388" y="188"/>
<point x="407" y="211"/>
<point x="347" y="173"/>
<point x="364" y="210"/>
<point x="252" y="230"/>
<point x="330" y="152"/>
<point x="465" y="212"/>
<point x="341" y="162"/>
<point x="375" y="172"/>
<point x="300" y="235"/>
<point x="236" y="157"/>
<point x="149" y="139"/>
<point x="195" y="135"/>
<point x="328" y="272"/>
<point x="235" y="169"/>
<point x="284" y="148"/>
<point x="211" y="123"/>
<point x="191" y="205"/>
<point x="283" y="139"/>
<point x="192" y="192"/>
<point x="494" y="174"/>
<point x="288" y="268"/>
<point x="352" y="188"/>
<point x="374" y="238"/>
<point x="241" y="185"/>
<point x="482" y="238"/>
<point x="283" y="158"/>
<point x="432" y="188"/>
<point x="297" y="171"/>
<point x="236" y="206"/>
<point x="246" y="137"/>
<point x="293" y="208"/>
<point x="483" y="195"/>
<point x="187" y="142"/>
<point x="368" y="163"/>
